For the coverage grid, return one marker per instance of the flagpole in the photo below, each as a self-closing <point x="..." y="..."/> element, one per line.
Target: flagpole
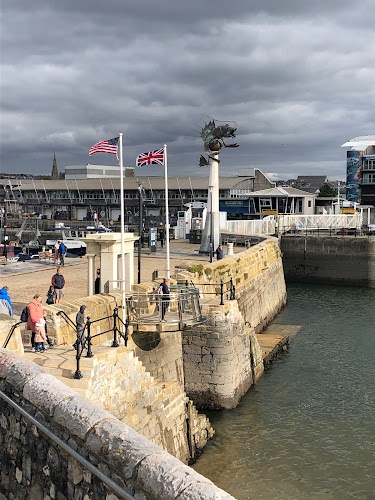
<point x="166" y="211"/>
<point x="122" y="208"/>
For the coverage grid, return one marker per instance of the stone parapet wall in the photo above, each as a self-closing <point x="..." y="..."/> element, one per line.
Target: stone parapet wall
<point x="334" y="260"/>
<point x="98" y="306"/>
<point x="258" y="276"/>
<point x="33" y="466"/>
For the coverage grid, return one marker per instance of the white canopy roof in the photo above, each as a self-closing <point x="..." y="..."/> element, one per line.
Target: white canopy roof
<point x="360" y="143"/>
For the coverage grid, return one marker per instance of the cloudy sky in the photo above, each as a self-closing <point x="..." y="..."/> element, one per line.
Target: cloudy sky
<point x="297" y="78"/>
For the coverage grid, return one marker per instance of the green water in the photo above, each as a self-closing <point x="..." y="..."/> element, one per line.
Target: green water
<point x="307" y="430"/>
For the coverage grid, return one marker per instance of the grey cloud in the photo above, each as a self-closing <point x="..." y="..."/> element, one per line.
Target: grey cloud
<point x="297" y="78"/>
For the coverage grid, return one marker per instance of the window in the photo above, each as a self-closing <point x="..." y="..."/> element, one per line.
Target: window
<point x="309" y="203"/>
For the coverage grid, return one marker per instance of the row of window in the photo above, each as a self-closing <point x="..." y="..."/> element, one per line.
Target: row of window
<point x="368" y="164"/>
<point x="368" y="178"/>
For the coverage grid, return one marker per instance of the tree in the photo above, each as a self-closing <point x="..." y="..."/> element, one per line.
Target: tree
<point x="327" y="190"/>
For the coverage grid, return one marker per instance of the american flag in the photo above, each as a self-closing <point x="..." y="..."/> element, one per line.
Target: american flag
<point x="107" y="146"/>
<point x="151" y="158"/>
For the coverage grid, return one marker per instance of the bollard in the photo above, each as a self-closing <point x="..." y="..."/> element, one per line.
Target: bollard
<point x="230" y="249"/>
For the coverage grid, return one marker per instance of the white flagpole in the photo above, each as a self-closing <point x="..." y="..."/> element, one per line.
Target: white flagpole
<point x="123" y="282"/>
<point x="166" y="211"/>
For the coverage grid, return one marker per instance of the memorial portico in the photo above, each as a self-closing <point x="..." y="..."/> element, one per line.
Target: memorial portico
<point x="107" y="247"/>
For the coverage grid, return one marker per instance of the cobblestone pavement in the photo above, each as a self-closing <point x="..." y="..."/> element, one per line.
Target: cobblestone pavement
<point x="25" y="279"/>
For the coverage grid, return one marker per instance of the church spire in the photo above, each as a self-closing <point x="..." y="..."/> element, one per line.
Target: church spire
<point x="55" y="172"/>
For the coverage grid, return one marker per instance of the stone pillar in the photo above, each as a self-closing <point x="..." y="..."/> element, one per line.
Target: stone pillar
<point x="230" y="249"/>
<point x="91" y="274"/>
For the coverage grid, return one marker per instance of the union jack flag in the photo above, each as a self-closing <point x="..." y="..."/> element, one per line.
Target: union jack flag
<point x="151" y="158"/>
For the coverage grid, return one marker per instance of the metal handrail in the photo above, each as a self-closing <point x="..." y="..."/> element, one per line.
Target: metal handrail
<point x="80" y="346"/>
<point x="10" y="333"/>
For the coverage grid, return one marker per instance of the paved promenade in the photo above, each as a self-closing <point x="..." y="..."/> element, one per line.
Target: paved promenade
<point x="25" y="279"/>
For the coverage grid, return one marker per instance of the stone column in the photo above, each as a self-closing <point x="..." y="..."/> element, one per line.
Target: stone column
<point x="91" y="274"/>
<point x="230" y="249"/>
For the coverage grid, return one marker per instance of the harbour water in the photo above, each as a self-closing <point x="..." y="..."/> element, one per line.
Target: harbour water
<point x="307" y="429"/>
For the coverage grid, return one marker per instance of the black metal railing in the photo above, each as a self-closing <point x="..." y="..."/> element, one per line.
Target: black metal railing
<point x="84" y="340"/>
<point x="9" y="336"/>
<point x="225" y="289"/>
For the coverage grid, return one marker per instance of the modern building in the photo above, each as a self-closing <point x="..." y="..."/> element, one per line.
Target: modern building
<point x="281" y="200"/>
<point x="360" y="170"/>
<point x="89" y="198"/>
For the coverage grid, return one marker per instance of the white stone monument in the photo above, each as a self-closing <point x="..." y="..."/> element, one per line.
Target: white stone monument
<point x="107" y="247"/>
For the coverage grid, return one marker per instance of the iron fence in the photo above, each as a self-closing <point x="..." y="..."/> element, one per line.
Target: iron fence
<point x="84" y="341"/>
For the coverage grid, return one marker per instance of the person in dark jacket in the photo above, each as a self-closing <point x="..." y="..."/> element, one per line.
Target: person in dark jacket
<point x="80" y="326"/>
<point x="165" y="297"/>
<point x="219" y="253"/>
<point x="58" y="282"/>
<point x="97" y="281"/>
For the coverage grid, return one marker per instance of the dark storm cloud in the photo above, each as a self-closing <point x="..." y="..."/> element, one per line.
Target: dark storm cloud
<point x="296" y="77"/>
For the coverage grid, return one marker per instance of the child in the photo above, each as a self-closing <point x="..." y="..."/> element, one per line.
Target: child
<point x="51" y="295"/>
<point x="40" y="335"/>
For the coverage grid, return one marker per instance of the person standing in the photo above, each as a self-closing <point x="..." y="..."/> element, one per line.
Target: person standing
<point x="36" y="312"/>
<point x="161" y="237"/>
<point x="40" y="335"/>
<point x="62" y="253"/>
<point x="165" y="297"/>
<point x="58" y="282"/>
<point x="97" y="281"/>
<point x="6" y="306"/>
<point x="219" y="253"/>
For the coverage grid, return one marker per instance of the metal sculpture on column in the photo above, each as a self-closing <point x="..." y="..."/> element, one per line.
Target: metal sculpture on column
<point x="213" y="139"/>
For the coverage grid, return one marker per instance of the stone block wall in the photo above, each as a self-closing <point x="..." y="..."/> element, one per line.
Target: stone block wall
<point x="32" y="465"/>
<point x="335" y="260"/>
<point x="121" y="385"/>
<point x="258" y="276"/>
<point x="222" y="358"/>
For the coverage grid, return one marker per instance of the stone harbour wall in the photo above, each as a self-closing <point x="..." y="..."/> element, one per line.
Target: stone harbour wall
<point x="34" y="466"/>
<point x="332" y="260"/>
<point x="222" y="357"/>
<point x="155" y="408"/>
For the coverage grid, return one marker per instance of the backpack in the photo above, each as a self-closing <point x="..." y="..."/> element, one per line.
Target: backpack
<point x="24" y="314"/>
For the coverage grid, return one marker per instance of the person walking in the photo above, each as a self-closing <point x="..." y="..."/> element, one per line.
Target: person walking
<point x="56" y="249"/>
<point x="35" y="313"/>
<point x="6" y="306"/>
<point x="58" y="282"/>
<point x="164" y="292"/>
<point x="80" y="328"/>
<point x="62" y="253"/>
<point x="219" y="253"/>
